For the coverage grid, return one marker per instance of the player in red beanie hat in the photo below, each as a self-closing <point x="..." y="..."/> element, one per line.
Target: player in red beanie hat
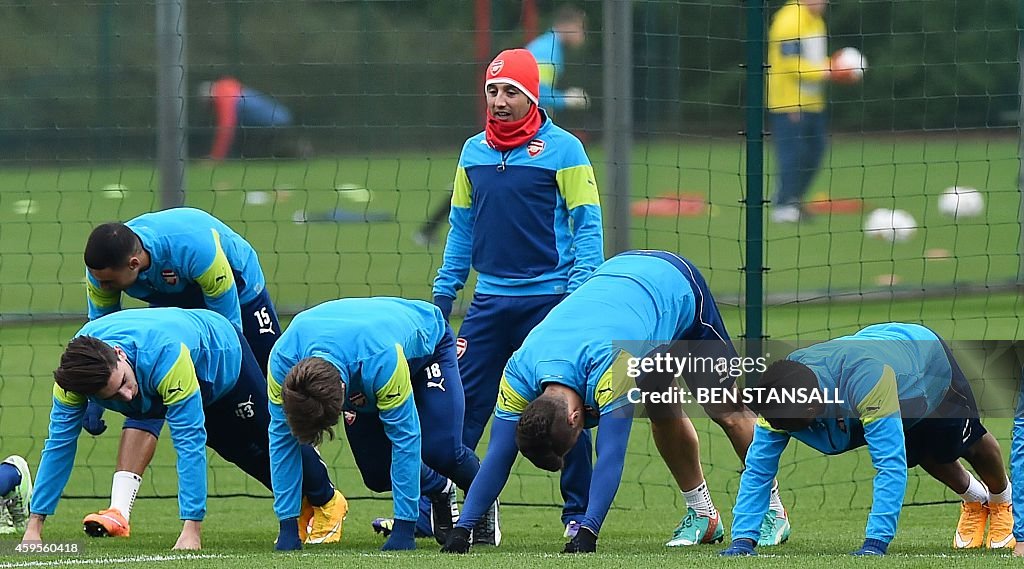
<point x="527" y="216"/>
<point x="512" y="82"/>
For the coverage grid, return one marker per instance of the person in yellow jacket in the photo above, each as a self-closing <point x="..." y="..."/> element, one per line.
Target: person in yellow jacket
<point x="798" y="71"/>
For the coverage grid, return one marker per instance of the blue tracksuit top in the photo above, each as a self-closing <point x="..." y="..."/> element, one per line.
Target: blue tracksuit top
<point x="886" y="375"/>
<point x="630" y="305"/>
<point x="528" y="220"/>
<point x="183" y="361"/>
<point x="193" y="256"/>
<point x="370" y="341"/>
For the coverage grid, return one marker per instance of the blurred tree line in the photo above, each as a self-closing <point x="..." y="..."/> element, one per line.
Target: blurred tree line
<point x="79" y="78"/>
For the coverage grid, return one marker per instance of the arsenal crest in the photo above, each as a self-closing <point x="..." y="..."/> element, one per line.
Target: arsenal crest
<point x="535" y="147"/>
<point x="460" y="347"/>
<point x="357" y="400"/>
<point x="350" y="417"/>
<point x="497" y="66"/>
<point x="170" y="277"/>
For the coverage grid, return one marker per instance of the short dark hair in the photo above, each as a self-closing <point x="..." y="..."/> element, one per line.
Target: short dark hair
<point x="543" y="434"/>
<point x="569" y="14"/>
<point x="85" y="365"/>
<point x="787" y="415"/>
<point x="110" y="246"/>
<point x="313" y="396"/>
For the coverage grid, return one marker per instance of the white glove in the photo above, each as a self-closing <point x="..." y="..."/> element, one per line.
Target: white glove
<point x="576" y="98"/>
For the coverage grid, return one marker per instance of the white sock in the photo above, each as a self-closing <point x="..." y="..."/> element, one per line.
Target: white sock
<point x="700" y="500"/>
<point x="1003" y="496"/>
<point x="976" y="491"/>
<point x="123" y="491"/>
<point x="776" y="500"/>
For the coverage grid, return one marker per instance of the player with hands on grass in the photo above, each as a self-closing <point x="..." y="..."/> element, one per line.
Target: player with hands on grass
<point x="193" y="369"/>
<point x="388" y="366"/>
<point x="900" y="392"/>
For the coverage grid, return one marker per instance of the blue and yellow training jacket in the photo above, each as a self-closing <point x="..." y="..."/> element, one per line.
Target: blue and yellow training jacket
<point x="887" y="376"/>
<point x="370" y="341"/>
<point x="183" y="360"/>
<point x="194" y="261"/>
<point x="528" y="220"/>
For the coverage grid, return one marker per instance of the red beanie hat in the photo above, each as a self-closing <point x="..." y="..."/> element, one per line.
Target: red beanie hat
<point x="517" y="67"/>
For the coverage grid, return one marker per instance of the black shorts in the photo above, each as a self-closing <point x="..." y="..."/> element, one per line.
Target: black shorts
<point x="945" y="435"/>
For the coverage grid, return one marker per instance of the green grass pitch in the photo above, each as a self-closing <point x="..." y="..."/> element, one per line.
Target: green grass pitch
<point x="46" y="213"/>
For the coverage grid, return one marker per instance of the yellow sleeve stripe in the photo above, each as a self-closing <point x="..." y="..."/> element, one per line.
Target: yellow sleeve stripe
<point x="399" y="386"/>
<point x="101" y="298"/>
<point x="509" y="400"/>
<point x="547" y="73"/>
<point x="180" y="382"/>
<point x="883" y="399"/>
<point x="463" y="194"/>
<point x="69" y="398"/>
<point x="218" y="278"/>
<point x="274" y="389"/>
<point x="614" y="382"/>
<point x="578" y="186"/>
<point x="763" y="423"/>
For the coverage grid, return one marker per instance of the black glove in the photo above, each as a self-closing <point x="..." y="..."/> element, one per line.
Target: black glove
<point x="458" y="541"/>
<point x="584" y="542"/>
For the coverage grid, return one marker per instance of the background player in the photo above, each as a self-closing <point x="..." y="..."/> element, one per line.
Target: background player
<point x="567" y="31"/>
<point x="238" y="108"/>
<point x="193" y="368"/>
<point x="179" y="257"/>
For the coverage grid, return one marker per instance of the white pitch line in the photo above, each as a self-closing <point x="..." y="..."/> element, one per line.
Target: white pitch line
<point x="105" y="560"/>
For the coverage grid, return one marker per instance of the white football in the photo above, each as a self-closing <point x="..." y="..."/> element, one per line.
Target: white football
<point x="890" y="225"/>
<point x="961" y="201"/>
<point x="852" y="59"/>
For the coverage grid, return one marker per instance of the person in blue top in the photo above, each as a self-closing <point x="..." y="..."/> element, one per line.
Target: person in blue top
<point x="389" y="366"/>
<point x="180" y="257"/>
<point x="548" y="49"/>
<point x="526" y="215"/>
<point x="897" y="389"/>
<point x="191" y="368"/>
<point x="1017" y="469"/>
<point x="572" y="373"/>
<point x="567" y="31"/>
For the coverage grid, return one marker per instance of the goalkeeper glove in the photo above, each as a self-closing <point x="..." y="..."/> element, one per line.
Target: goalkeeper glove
<point x="458" y="541"/>
<point x="403" y="536"/>
<point x="739" y="547"/>
<point x="445" y="304"/>
<point x="93" y="422"/>
<point x="872" y="547"/>
<point x="584" y="542"/>
<point x="288" y="536"/>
